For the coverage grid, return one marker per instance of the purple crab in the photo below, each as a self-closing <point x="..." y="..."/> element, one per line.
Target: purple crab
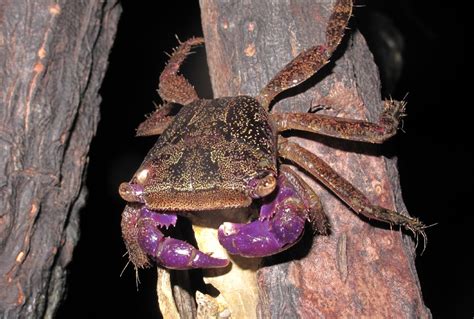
<point x="223" y="153"/>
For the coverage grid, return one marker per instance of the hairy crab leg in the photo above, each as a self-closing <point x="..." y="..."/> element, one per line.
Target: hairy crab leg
<point x="350" y="129"/>
<point x="174" y="87"/>
<point x="280" y="225"/>
<point x="156" y="122"/>
<point x="144" y="240"/>
<point x="316" y="216"/>
<point x="342" y="188"/>
<point x="311" y="60"/>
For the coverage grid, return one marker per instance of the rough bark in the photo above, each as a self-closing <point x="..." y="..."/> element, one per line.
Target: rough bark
<point x="362" y="268"/>
<point x="53" y="56"/>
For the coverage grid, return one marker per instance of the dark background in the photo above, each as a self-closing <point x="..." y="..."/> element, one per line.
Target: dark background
<point x="434" y="158"/>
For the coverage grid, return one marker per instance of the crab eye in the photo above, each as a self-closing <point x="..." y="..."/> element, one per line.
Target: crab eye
<point x="264" y="186"/>
<point x="141" y="176"/>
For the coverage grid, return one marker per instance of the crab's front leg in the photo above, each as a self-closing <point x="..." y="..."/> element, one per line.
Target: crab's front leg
<point x="343" y="189"/>
<point x="281" y="221"/>
<point x="144" y="240"/>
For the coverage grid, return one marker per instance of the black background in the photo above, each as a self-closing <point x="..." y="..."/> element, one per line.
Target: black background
<point x="435" y="161"/>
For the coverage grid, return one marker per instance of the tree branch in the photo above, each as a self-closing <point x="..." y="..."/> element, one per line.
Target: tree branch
<point x="361" y="269"/>
<point x="53" y="58"/>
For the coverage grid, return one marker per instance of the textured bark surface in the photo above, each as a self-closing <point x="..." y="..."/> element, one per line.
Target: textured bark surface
<point x="53" y="57"/>
<point x="361" y="269"/>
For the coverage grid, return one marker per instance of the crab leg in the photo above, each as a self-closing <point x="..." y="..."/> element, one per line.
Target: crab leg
<point x="280" y="225"/>
<point x="311" y="60"/>
<point x="316" y="216"/>
<point x="140" y="228"/>
<point x="156" y="122"/>
<point x="342" y="188"/>
<point x="350" y="129"/>
<point x="174" y="87"/>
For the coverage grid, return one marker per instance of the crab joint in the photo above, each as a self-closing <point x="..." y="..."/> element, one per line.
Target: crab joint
<point x="264" y="186"/>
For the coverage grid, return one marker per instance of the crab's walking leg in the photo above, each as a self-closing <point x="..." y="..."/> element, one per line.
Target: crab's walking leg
<point x="280" y="225"/>
<point x="316" y="215"/>
<point x="350" y="129"/>
<point x="310" y="61"/>
<point x="157" y="122"/>
<point x="140" y="229"/>
<point x="342" y="188"/>
<point x="174" y="87"/>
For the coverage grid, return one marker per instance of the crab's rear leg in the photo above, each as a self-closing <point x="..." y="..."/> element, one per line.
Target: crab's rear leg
<point x="311" y="60"/>
<point x="174" y="87"/>
<point x="144" y="240"/>
<point x="350" y="129"/>
<point x="156" y="122"/>
<point x="342" y="188"/>
<point x="281" y="221"/>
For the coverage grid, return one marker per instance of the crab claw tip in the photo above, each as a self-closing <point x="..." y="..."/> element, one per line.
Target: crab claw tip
<point x="228" y="229"/>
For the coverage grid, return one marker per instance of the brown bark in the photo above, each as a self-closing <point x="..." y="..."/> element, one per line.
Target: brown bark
<point x="53" y="57"/>
<point x="362" y="268"/>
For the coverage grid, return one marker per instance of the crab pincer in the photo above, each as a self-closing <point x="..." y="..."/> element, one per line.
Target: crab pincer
<point x="144" y="240"/>
<point x="279" y="226"/>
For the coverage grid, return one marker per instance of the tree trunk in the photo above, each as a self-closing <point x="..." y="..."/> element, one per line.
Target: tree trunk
<point x="362" y="268"/>
<point x="53" y="57"/>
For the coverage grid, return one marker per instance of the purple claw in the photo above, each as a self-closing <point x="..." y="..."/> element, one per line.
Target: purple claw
<point x="177" y="254"/>
<point x="268" y="210"/>
<point x="169" y="252"/>
<point x="280" y="226"/>
<point x="161" y="219"/>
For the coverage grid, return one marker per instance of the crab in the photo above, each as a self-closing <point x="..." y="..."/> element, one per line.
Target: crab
<point x="223" y="153"/>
